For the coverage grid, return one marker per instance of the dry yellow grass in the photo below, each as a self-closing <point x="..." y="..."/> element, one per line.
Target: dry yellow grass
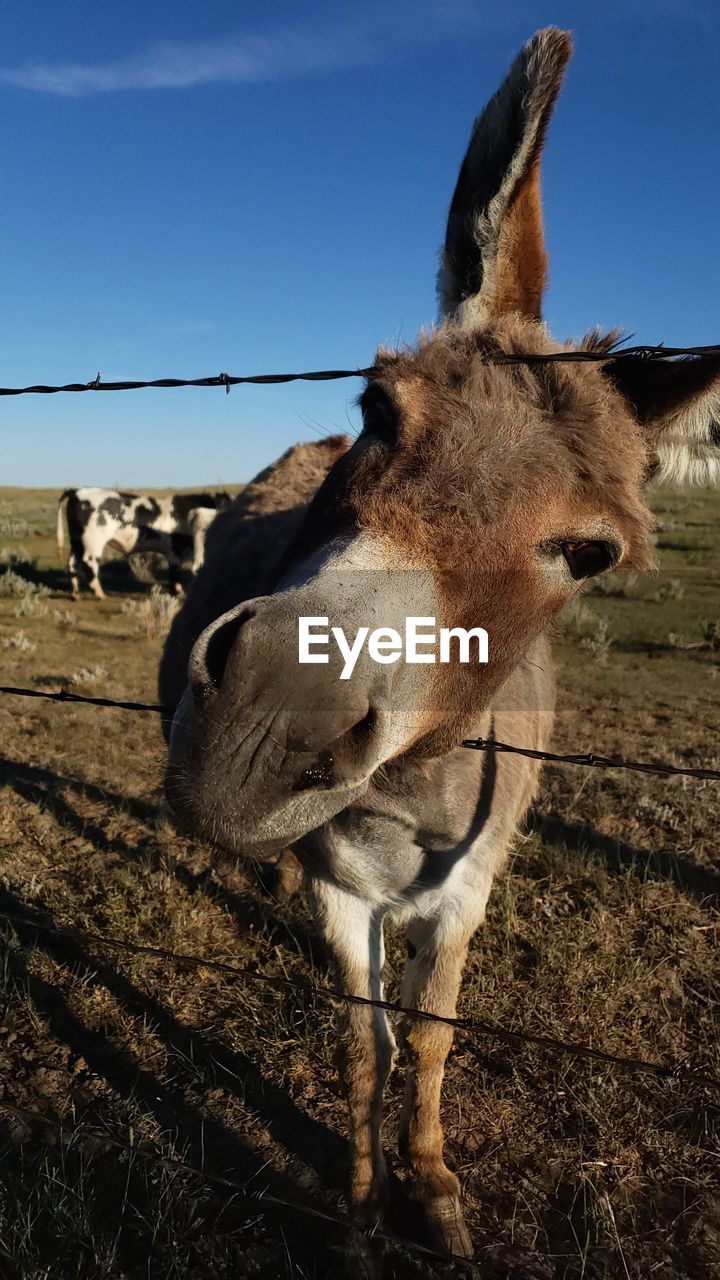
<point x="604" y="930"/>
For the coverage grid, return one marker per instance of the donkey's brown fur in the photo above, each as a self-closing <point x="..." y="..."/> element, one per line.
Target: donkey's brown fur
<point x="243" y="546"/>
<point x="482" y="445"/>
<point x="478" y="492"/>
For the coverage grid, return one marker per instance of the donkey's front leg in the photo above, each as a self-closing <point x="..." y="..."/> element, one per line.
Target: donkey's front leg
<point x="353" y="930"/>
<point x="437" y="948"/>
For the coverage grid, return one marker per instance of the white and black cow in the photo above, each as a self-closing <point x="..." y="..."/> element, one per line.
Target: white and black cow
<point x="132" y="522"/>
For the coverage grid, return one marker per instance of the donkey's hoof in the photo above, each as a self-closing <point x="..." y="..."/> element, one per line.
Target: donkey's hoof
<point x="282" y="878"/>
<point x="445" y="1218"/>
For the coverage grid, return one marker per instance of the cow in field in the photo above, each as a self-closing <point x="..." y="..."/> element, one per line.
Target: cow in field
<point x="131" y="523"/>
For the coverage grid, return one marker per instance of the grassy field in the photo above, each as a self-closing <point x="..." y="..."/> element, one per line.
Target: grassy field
<point x="604" y="930"/>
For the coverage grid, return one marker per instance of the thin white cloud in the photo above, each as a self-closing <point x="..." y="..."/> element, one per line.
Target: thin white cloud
<point x="185" y="64"/>
<point x="380" y="33"/>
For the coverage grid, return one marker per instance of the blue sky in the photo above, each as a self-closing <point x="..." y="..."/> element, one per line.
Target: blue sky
<point x="189" y="189"/>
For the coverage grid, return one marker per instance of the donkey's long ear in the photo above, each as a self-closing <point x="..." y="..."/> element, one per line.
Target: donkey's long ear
<point x="678" y="404"/>
<point x="494" y="257"/>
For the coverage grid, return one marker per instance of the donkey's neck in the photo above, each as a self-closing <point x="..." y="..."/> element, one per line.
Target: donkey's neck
<point x="420" y="817"/>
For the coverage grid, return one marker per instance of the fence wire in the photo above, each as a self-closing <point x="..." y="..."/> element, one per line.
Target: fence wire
<point x="587" y="759"/>
<point x="64" y="695"/>
<point x="225" y="380"/>
<point x="658" y="352"/>
<point x="468" y="1026"/>
<point x="590" y="760"/>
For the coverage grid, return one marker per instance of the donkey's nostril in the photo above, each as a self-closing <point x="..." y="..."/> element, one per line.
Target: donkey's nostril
<point x="218" y="649"/>
<point x="320" y="776"/>
<point x="208" y="661"/>
<point x="341" y="762"/>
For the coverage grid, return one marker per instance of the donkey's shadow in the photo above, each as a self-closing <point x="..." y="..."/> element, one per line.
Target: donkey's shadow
<point x="250" y="911"/>
<point x="206" y="1141"/>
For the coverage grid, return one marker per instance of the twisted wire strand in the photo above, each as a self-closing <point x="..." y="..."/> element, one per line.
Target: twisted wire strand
<point x="656" y="352"/>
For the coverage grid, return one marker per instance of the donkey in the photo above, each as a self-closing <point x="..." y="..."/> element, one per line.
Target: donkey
<point x="479" y="492"/>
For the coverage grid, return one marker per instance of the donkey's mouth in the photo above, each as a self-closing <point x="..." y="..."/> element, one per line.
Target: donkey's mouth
<point x="256" y="801"/>
<point x="258" y="826"/>
<point x="223" y="831"/>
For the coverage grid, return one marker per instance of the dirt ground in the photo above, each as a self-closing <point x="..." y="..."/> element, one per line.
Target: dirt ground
<point x="159" y="1081"/>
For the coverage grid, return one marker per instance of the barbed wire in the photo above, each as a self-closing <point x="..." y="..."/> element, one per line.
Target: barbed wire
<point x="472" y="1026"/>
<point x="225" y="380"/>
<point x="648" y="352"/>
<point x="64" y="695"/>
<point x="587" y="759"/>
<point x="657" y="352"/>
<point x="263" y="1201"/>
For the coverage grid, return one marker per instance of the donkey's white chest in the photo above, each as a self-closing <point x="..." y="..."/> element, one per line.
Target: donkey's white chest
<point x="399" y="878"/>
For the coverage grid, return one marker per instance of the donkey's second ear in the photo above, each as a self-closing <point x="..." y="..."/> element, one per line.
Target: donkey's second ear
<point x="677" y="403"/>
<point x="494" y="258"/>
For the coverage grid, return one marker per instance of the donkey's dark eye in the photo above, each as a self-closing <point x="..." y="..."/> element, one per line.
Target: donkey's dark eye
<point x="379" y="417"/>
<point x="586" y="559"/>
